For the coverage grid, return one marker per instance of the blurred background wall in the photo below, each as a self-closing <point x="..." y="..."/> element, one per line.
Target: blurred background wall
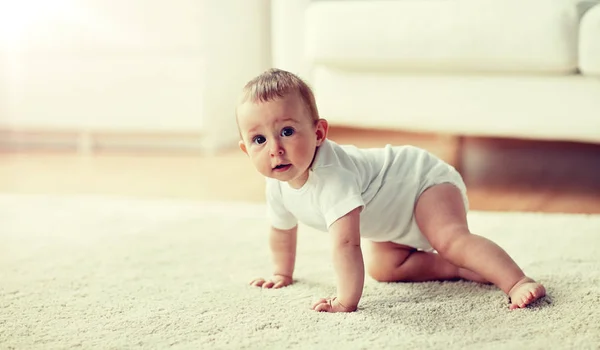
<point x="135" y="72"/>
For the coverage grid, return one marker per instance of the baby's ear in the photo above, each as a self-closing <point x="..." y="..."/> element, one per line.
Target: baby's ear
<point x="321" y="131"/>
<point x="243" y="146"/>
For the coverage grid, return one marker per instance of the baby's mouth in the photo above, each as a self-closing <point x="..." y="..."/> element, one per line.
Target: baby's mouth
<point x="282" y="167"/>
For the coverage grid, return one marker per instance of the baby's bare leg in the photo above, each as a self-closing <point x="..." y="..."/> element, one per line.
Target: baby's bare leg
<point x="392" y="262"/>
<point x="441" y="216"/>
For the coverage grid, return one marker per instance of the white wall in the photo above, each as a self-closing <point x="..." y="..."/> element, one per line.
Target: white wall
<point x="105" y="64"/>
<point x="133" y="65"/>
<point x="240" y="48"/>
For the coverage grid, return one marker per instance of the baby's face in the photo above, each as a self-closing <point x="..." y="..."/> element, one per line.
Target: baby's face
<point x="280" y="138"/>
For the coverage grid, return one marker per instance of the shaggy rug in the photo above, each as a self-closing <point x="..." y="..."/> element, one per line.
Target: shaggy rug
<point x="97" y="272"/>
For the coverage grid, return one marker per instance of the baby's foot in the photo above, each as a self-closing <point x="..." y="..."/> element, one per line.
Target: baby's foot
<point x="525" y="292"/>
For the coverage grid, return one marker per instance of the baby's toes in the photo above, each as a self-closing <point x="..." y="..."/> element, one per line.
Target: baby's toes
<point x="519" y="301"/>
<point x="528" y="298"/>
<point x="539" y="292"/>
<point x="524" y="301"/>
<point x="515" y="303"/>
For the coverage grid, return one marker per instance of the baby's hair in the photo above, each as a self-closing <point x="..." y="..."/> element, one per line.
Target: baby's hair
<point x="277" y="83"/>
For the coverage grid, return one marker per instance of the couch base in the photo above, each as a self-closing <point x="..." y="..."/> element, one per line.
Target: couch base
<point x="534" y="107"/>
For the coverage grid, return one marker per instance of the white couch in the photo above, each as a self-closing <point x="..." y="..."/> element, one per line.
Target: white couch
<point x="503" y="68"/>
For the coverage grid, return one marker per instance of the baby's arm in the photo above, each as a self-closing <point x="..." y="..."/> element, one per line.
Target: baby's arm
<point x="348" y="264"/>
<point x="283" y="249"/>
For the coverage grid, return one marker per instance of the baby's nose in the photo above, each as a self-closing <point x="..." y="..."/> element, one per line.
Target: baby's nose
<point x="277" y="149"/>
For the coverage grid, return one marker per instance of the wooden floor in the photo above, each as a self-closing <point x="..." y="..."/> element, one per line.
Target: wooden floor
<point x="504" y="175"/>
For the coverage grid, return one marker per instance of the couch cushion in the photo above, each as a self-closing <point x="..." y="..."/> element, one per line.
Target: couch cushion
<point x="529" y="106"/>
<point x="463" y="35"/>
<point x="589" y="42"/>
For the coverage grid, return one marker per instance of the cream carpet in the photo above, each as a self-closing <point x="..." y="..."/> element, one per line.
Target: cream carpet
<point x="116" y="273"/>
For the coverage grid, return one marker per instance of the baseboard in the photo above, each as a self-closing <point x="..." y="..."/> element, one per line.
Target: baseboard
<point x="98" y="141"/>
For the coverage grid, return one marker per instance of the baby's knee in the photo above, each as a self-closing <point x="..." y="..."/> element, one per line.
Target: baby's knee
<point x="380" y="273"/>
<point x="384" y="266"/>
<point x="451" y="243"/>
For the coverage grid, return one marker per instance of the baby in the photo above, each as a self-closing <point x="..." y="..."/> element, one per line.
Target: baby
<point x="407" y="203"/>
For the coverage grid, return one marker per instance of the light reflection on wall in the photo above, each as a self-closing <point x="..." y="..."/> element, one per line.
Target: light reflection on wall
<point x="20" y="18"/>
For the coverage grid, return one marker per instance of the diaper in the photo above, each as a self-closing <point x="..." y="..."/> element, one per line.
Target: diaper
<point x="442" y="174"/>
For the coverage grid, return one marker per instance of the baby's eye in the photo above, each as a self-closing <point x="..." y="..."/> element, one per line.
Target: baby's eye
<point x="259" y="139"/>
<point x="287" y="131"/>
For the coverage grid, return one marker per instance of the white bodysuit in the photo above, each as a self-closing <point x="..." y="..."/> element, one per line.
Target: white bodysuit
<point x="386" y="182"/>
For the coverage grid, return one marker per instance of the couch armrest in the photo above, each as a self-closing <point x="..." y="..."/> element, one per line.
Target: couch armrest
<point x="589" y="42"/>
<point x="287" y="36"/>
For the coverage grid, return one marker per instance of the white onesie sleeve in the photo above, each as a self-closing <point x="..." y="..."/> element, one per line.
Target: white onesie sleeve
<point x="278" y="215"/>
<point x="339" y="193"/>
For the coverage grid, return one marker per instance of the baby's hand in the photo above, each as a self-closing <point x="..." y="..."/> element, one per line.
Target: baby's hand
<point x="331" y="305"/>
<point x="277" y="281"/>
